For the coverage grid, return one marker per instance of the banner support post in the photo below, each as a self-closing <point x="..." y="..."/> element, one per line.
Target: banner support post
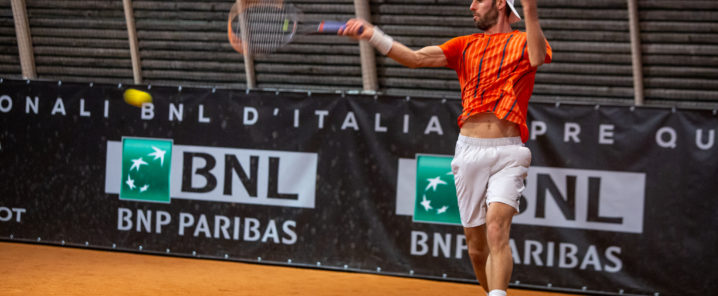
<point x="132" y="36"/>
<point x="637" y="62"/>
<point x="366" y="51"/>
<point x="24" y="41"/>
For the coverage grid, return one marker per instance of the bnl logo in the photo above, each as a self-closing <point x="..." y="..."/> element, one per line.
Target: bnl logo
<point x="584" y="199"/>
<point x="146" y="168"/>
<point x="435" y="197"/>
<point x="156" y="170"/>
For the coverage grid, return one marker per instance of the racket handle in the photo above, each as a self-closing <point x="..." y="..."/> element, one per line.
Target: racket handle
<point x="332" y="27"/>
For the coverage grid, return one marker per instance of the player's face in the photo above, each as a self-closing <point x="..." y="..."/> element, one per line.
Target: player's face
<point x="486" y="14"/>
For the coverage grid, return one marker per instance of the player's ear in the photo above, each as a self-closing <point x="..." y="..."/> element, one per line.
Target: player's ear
<point x="501" y="4"/>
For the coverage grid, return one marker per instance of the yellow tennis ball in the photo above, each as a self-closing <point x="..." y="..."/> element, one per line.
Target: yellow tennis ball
<point x="136" y="97"/>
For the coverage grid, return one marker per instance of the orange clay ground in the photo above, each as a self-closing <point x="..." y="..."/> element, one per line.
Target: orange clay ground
<point x="27" y="269"/>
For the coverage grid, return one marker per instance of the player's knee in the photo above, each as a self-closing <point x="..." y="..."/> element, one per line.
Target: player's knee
<point x="497" y="235"/>
<point x="478" y="255"/>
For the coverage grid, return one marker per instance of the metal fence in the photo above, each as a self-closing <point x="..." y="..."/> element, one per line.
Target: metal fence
<point x="185" y="43"/>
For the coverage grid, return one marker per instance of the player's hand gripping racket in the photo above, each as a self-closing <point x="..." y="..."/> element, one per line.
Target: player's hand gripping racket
<point x="263" y="26"/>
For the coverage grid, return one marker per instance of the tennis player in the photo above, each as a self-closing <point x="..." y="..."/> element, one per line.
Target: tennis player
<point x="496" y="70"/>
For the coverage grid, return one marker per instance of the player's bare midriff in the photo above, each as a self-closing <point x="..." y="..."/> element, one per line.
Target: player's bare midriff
<point x="487" y="125"/>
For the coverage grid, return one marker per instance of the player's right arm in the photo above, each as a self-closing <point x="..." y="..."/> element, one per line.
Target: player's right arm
<point x="430" y="56"/>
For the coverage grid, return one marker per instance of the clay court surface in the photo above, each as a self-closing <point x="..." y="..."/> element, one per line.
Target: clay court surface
<point x="29" y="269"/>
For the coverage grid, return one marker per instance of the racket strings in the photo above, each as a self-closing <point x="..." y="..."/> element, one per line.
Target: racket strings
<point x="267" y="28"/>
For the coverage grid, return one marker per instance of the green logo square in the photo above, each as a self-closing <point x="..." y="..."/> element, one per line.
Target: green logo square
<point x="146" y="169"/>
<point x="435" y="191"/>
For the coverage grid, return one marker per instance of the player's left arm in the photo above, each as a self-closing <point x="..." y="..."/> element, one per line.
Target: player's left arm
<point x="534" y="35"/>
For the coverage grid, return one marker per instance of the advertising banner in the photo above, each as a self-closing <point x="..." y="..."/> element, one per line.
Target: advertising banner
<point x="618" y="200"/>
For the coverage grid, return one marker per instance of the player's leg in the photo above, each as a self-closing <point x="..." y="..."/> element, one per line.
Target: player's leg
<point x="478" y="252"/>
<point x="500" y="263"/>
<point x="503" y="193"/>
<point x="471" y="176"/>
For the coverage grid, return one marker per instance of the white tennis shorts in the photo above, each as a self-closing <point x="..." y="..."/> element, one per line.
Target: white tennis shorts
<point x="486" y="171"/>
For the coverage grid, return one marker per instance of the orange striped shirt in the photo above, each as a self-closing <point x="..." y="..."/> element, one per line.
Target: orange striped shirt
<point x="495" y="75"/>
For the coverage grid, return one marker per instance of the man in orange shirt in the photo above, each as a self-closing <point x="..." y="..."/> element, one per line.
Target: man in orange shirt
<point x="496" y="70"/>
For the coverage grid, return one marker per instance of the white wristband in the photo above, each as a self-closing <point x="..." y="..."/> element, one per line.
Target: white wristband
<point x="382" y="42"/>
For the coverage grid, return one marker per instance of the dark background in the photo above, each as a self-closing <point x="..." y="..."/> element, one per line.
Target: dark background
<point x="54" y="166"/>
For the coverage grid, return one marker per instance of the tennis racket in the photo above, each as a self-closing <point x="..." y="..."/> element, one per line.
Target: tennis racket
<point x="258" y="27"/>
